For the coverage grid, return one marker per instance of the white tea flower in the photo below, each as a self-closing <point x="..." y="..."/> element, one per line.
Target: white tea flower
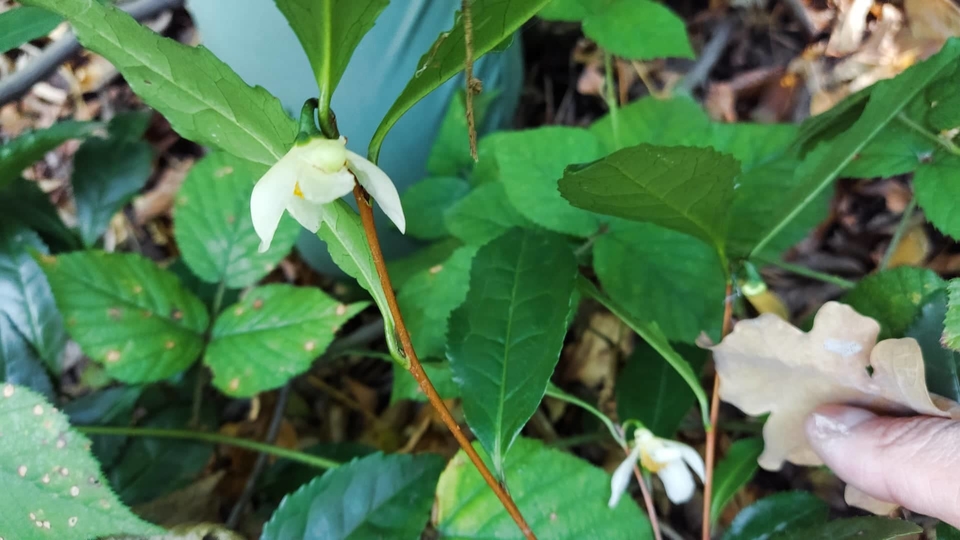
<point x="312" y="174"/>
<point x="670" y="460"/>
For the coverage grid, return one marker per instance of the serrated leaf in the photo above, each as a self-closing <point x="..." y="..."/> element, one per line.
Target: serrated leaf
<point x="403" y="269"/>
<point x="23" y="24"/>
<point x="493" y="21"/>
<point x="893" y="297"/>
<point x="951" y="323"/>
<point x="651" y="391"/>
<point x="681" y="285"/>
<point x="874" y="528"/>
<point x="896" y="150"/>
<point x="406" y="387"/>
<point x="668" y="122"/>
<point x="733" y="472"/>
<point x="663" y="34"/>
<point x="484" y="214"/>
<point x="450" y="153"/>
<point x="106" y="175"/>
<point x="20" y="153"/>
<point x="329" y="31"/>
<point x="286" y="476"/>
<point x="110" y="407"/>
<point x="52" y="485"/>
<point x="378" y="496"/>
<point x="213" y="226"/>
<point x="752" y="145"/>
<point x="937" y="189"/>
<point x="944" y="112"/>
<point x="127" y="313"/>
<point x="25" y="295"/>
<point x="560" y="496"/>
<point x="530" y="163"/>
<point x="426" y="202"/>
<point x="271" y="336"/>
<point x="781" y="512"/>
<point x="19" y="363"/>
<point x="201" y="97"/>
<point x="23" y="201"/>
<point x="681" y="188"/>
<point x="505" y="340"/>
<point x="940" y="365"/>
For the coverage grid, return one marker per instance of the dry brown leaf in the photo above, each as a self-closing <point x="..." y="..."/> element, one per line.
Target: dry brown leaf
<point x="936" y="20"/>
<point x="848" y="33"/>
<point x="767" y="365"/>
<point x="912" y="249"/>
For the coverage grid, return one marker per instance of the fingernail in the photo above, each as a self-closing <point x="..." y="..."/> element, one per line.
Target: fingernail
<point x="836" y="422"/>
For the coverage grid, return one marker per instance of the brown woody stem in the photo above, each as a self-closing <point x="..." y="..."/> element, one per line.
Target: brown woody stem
<point x="714" y="411"/>
<point x="647" y="500"/>
<point x="366" y="216"/>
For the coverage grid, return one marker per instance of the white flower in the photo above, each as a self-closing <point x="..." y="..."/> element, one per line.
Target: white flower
<point x="311" y="175"/>
<point x="669" y="459"/>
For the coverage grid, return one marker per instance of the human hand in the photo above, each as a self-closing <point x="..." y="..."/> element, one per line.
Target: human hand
<point x="914" y="462"/>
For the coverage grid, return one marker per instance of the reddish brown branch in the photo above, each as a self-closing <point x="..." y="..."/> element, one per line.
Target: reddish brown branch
<point x="647" y="500"/>
<point x="714" y="412"/>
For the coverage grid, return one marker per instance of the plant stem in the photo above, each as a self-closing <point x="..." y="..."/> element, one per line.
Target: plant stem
<point x="472" y="84"/>
<point x="369" y="228"/>
<point x="647" y="500"/>
<point x="611" y="98"/>
<point x="714" y="412"/>
<point x="947" y="145"/>
<point x="898" y="234"/>
<point x="557" y="393"/>
<point x="806" y="272"/>
<point x="197" y="404"/>
<point x="214" y="438"/>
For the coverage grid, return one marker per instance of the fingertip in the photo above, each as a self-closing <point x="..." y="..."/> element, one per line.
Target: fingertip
<point x="831" y="421"/>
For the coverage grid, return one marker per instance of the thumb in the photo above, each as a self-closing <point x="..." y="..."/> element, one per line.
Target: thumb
<point x="914" y="462"/>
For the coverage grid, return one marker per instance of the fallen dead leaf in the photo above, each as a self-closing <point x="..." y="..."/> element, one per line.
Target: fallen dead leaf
<point x="848" y="33"/>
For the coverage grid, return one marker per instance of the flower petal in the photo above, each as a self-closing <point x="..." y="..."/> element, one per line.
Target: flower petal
<point x="677" y="481"/>
<point x="379" y="185"/>
<point x="321" y="188"/>
<point x="621" y="477"/>
<point x="270" y="197"/>
<point x="307" y="213"/>
<point x="693" y="460"/>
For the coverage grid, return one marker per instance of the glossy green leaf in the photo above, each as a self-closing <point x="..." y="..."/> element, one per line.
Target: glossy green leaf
<point x="778" y="513"/>
<point x="560" y="496"/>
<point x="897" y="149"/>
<point x="832" y="122"/>
<point x="271" y="336"/>
<point x="23" y="151"/>
<point x="752" y="145"/>
<point x="110" y="407"/>
<point x="24" y="202"/>
<point x="941" y="365"/>
<point x="894" y="297"/>
<point x="450" y="153"/>
<point x="532" y="161"/>
<point x="425" y="203"/>
<point x="663" y="276"/>
<point x="651" y="391"/>
<point x="19" y="363"/>
<point x="685" y="189"/>
<point x="484" y="214"/>
<point x="567" y="10"/>
<point x="25" y="295"/>
<point x="505" y="340"/>
<point x="937" y="188"/>
<point x="669" y="122"/>
<point x="639" y="30"/>
<point x="406" y="387"/>
<point x="944" y="112"/>
<point x="286" y="476"/>
<point x="428" y="298"/>
<point x="107" y="173"/>
<point x="329" y="31"/>
<point x="887" y="99"/>
<point x="52" y="486"/>
<point x="403" y="269"/>
<point x="951" y="323"/>
<point x="23" y="24"/>
<point x="858" y="528"/>
<point x="378" y="496"/>
<point x="201" y="97"/>
<point x="213" y="226"/>
<point x="127" y="313"/>
<point x="493" y="21"/>
<point x="733" y="472"/>
<point x="946" y="532"/>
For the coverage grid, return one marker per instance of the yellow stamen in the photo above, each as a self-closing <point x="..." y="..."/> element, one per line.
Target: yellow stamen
<point x="649" y="464"/>
<point x="296" y="190"/>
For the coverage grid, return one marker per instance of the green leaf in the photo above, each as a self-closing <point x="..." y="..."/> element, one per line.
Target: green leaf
<point x="23" y="24"/>
<point x="484" y="214"/>
<point x="733" y="472"/>
<point x="685" y="189"/>
<point x="25" y="296"/>
<point x="951" y="330"/>
<point x="106" y="175"/>
<point x="560" y="496"/>
<point x="271" y="336"/>
<point x="286" y="476"/>
<point x="946" y="532"/>
<point x="785" y="511"/>
<point x="403" y="269"/>
<point x="19" y="363"/>
<point x="493" y="21"/>
<point x="406" y="387"/>
<point x="887" y="99"/>
<point x="214" y="229"/>
<point x="639" y="30"/>
<point x="428" y="298"/>
<point x="941" y="365"/>
<point x="425" y="203"/>
<point x="567" y="10"/>
<point x="530" y="163"/>
<point x="23" y="201"/>
<point x="670" y="278"/>
<point x="651" y="391"/>
<point x="937" y="188"/>
<point x="329" y="31"/>
<point x="52" y="486"/>
<point x="201" y="97"/>
<point x="897" y="149"/>
<point x="859" y="528"/>
<point x="944" y="113"/>
<point x="505" y="340"/>
<point x="752" y="145"/>
<point x="378" y="496"/>
<point x="450" y="153"/>
<point x="110" y="407"/>
<point x="893" y="297"/>
<point x="20" y="153"/>
<point x="127" y="313"/>
<point x="669" y="122"/>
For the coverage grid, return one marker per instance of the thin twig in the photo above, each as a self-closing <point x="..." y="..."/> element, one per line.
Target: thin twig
<point x="473" y="85"/>
<point x="366" y="216"/>
<point x="610" y="95"/>
<point x="714" y="412"/>
<point x="902" y="228"/>
<point x="273" y="430"/>
<point x="806" y="272"/>
<point x="647" y="500"/>
<point x="709" y="56"/>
